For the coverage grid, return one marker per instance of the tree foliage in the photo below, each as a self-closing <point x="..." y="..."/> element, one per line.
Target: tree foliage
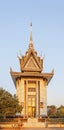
<point x="9" y="104"/>
<point x="53" y="111"/>
<point x="60" y="111"/>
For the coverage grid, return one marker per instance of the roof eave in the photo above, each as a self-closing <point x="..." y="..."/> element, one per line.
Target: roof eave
<point x="47" y="76"/>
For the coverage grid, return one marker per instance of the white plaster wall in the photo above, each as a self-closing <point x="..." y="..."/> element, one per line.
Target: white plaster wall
<point x="43" y="94"/>
<point x="20" y="92"/>
<point x="43" y="97"/>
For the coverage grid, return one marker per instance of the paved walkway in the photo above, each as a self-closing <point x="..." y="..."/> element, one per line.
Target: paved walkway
<point x="35" y="129"/>
<point x="44" y="129"/>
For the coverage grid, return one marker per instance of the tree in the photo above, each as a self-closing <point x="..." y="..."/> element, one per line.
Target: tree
<point x="60" y="111"/>
<point x="52" y="110"/>
<point x="9" y="104"/>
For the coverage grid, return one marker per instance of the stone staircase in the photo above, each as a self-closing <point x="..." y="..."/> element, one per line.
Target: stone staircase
<point x="33" y="122"/>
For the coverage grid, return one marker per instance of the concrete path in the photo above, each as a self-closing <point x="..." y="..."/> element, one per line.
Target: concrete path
<point x="35" y="129"/>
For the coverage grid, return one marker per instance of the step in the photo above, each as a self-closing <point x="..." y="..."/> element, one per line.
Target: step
<point x="33" y="122"/>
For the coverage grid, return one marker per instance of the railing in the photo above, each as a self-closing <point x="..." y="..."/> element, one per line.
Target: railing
<point x="13" y="119"/>
<point x="12" y="122"/>
<point x="52" y="122"/>
<point x="55" y="120"/>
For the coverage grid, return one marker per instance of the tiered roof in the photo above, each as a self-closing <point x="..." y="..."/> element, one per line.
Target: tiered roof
<point x="31" y="65"/>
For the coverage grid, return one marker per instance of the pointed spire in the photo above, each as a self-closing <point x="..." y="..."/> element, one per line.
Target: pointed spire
<point x="31" y="41"/>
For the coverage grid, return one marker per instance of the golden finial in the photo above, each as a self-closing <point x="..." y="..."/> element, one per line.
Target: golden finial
<point x="31" y="41"/>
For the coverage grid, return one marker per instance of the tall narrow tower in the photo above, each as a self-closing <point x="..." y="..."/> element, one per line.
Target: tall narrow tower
<point x="31" y="83"/>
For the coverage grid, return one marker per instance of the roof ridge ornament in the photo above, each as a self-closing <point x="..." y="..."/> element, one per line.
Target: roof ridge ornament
<point x="31" y="41"/>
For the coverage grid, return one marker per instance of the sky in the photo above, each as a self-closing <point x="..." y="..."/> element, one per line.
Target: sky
<point x="47" y="17"/>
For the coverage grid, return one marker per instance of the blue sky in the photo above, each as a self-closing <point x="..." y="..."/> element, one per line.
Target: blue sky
<point x="47" y="18"/>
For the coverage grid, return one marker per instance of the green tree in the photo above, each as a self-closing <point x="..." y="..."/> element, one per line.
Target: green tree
<point x="51" y="110"/>
<point x="60" y="111"/>
<point x="9" y="104"/>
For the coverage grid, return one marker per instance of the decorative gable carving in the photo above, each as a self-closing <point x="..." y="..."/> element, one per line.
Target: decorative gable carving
<point x="31" y="64"/>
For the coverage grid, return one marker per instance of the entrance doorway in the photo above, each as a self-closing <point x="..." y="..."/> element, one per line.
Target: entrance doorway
<point x="31" y="106"/>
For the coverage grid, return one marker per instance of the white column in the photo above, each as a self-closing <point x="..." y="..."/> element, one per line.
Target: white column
<point x="26" y="97"/>
<point x="37" y="99"/>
